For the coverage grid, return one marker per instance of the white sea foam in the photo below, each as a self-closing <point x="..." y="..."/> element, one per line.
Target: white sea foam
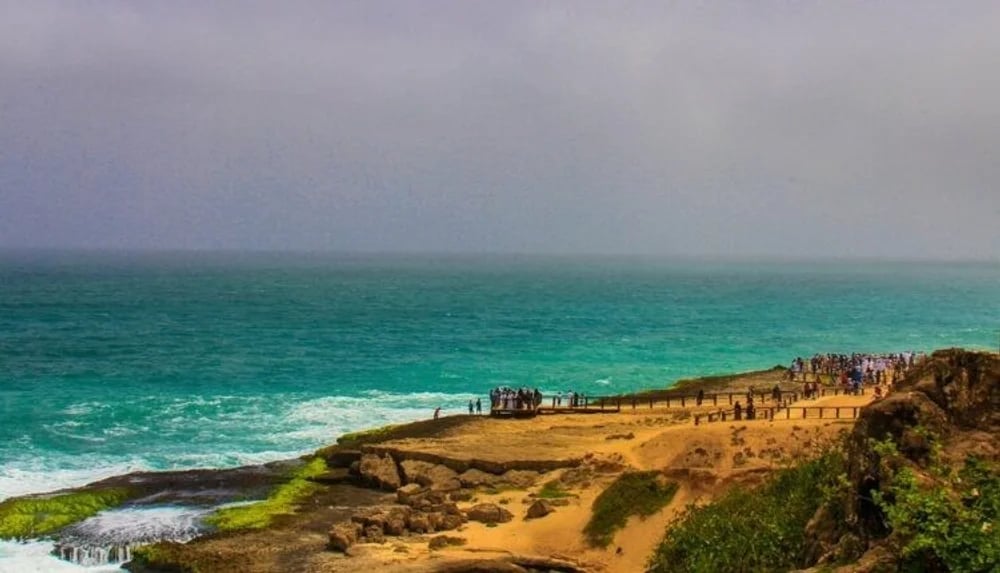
<point x="110" y="536"/>
<point x="37" y="557"/>
<point x="282" y="427"/>
<point x="20" y="477"/>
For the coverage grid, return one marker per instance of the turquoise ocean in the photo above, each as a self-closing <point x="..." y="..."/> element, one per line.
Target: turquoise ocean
<point x="112" y="363"/>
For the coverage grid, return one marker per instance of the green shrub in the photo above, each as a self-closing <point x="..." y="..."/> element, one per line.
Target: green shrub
<point x="633" y="493"/>
<point x="759" y="529"/>
<point x="281" y="501"/>
<point x="948" y="524"/>
<point x="27" y="517"/>
<point x="553" y="490"/>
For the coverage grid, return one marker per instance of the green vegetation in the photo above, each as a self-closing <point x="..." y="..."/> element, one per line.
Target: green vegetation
<point x="282" y="501"/>
<point x="946" y="521"/>
<point x="24" y="518"/>
<point x="167" y="556"/>
<point x="553" y="490"/>
<point x="633" y="493"/>
<point x="759" y="529"/>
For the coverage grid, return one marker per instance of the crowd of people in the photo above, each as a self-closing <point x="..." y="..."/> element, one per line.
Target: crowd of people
<point x="854" y="369"/>
<point x="505" y="398"/>
<point x="850" y="371"/>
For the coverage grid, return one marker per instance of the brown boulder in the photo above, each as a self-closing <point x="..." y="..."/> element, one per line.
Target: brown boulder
<point x="380" y="471"/>
<point x="540" y="508"/>
<point x="434" y="520"/>
<point x="408" y="492"/>
<point x="520" y="478"/>
<point x="488" y="513"/>
<point x="448" y="508"/>
<point x="419" y="523"/>
<point x="374" y="534"/>
<point x="477" y="478"/>
<point x="395" y="525"/>
<point x="434" y="476"/>
<point x="343" y="536"/>
<point x="449" y="522"/>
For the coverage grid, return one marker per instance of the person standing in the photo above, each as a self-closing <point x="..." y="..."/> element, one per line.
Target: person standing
<point x="479" y="406"/>
<point x="471" y="407"/>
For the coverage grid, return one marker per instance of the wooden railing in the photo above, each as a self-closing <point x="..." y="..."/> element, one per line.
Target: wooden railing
<point x="784" y="412"/>
<point x="686" y="400"/>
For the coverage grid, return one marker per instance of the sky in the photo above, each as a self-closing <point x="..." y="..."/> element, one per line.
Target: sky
<point x="785" y="129"/>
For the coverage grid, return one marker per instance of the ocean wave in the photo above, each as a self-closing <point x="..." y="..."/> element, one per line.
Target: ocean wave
<point x="34" y="475"/>
<point x="218" y="432"/>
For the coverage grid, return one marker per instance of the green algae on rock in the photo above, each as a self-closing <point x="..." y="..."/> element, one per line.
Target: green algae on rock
<point x="27" y="517"/>
<point x="281" y="501"/>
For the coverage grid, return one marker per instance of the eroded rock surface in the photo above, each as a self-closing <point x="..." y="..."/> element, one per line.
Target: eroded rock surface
<point x="380" y="470"/>
<point x="488" y="513"/>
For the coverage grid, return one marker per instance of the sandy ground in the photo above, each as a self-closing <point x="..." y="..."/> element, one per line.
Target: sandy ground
<point x="703" y="459"/>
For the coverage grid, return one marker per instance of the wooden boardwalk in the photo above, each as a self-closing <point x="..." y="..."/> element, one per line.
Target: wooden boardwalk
<point x="768" y="406"/>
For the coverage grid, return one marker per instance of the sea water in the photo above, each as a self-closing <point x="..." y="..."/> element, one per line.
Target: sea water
<point x="112" y="363"/>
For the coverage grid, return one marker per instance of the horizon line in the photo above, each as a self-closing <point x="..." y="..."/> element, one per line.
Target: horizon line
<point x="416" y="254"/>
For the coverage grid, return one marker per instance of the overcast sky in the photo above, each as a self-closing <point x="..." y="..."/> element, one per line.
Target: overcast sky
<point x="718" y="128"/>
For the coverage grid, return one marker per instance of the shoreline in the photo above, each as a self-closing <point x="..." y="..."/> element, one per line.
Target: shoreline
<point x="345" y="451"/>
<point x="101" y="476"/>
<point x="459" y="454"/>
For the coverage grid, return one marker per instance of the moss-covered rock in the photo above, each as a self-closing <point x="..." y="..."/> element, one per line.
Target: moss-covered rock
<point x="281" y="501"/>
<point x="27" y="517"/>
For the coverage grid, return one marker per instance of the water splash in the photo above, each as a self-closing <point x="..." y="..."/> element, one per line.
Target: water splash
<point x="110" y="537"/>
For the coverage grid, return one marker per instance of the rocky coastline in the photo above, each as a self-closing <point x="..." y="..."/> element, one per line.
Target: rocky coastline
<point x="470" y="493"/>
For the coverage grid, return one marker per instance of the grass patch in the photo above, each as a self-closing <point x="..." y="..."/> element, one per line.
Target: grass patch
<point x="553" y="490"/>
<point x="282" y="501"/>
<point x="24" y="518"/>
<point x="633" y="493"/>
<point x="759" y="529"/>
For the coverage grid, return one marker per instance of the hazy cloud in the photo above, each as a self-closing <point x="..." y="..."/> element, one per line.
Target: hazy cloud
<point x="779" y="128"/>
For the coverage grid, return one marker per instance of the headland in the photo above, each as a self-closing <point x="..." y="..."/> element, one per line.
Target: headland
<point x="596" y="492"/>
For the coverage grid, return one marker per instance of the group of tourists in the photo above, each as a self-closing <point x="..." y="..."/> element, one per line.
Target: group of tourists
<point x="505" y="398"/>
<point x="853" y="370"/>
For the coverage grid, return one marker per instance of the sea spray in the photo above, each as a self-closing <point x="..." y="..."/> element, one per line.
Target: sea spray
<point x="110" y="536"/>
